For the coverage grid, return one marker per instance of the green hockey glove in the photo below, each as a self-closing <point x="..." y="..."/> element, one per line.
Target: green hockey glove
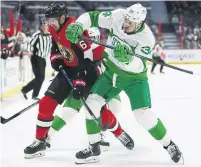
<point x="74" y="31"/>
<point x="123" y="53"/>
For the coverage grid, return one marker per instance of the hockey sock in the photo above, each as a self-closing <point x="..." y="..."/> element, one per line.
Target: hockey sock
<point x="94" y="102"/>
<point x="57" y="124"/>
<point x="152" y="124"/>
<point x="60" y="120"/>
<point x="93" y="131"/>
<point x="108" y="116"/>
<point x="47" y="106"/>
<point x="159" y="132"/>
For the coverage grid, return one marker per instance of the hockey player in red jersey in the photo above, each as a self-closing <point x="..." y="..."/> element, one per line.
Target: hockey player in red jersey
<point x="78" y="62"/>
<point x="72" y="106"/>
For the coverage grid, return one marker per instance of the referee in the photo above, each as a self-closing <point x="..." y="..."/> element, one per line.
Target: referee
<point x="157" y="55"/>
<point x="39" y="48"/>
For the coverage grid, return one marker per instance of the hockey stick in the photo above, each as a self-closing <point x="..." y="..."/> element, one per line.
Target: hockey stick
<point x="103" y="128"/>
<point x="142" y="57"/>
<point x="4" y="120"/>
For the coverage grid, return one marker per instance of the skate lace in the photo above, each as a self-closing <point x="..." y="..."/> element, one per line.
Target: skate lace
<point x="124" y="139"/>
<point x="86" y="150"/>
<point x="172" y="149"/>
<point x="35" y="144"/>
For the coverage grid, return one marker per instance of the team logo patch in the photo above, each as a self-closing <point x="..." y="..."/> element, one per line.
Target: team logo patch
<point x="67" y="53"/>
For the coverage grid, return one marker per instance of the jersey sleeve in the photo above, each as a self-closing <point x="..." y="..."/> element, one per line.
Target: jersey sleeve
<point x="85" y="46"/>
<point x="145" y="47"/>
<point x="98" y="53"/>
<point x="144" y="50"/>
<point x="96" y="19"/>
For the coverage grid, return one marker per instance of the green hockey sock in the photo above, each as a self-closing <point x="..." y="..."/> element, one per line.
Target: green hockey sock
<point x="58" y="123"/>
<point x="92" y="127"/>
<point x="158" y="131"/>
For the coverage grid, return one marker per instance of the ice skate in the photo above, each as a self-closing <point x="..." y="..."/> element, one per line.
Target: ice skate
<point x="89" y="155"/>
<point x="36" y="149"/>
<point x="174" y="152"/>
<point x="48" y="141"/>
<point x="104" y="145"/>
<point x="126" y="140"/>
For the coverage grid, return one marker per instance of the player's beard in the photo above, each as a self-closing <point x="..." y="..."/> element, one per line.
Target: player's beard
<point x="57" y="29"/>
<point x="125" y="29"/>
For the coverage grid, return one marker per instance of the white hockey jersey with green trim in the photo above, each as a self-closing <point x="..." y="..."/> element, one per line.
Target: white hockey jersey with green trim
<point x="142" y="41"/>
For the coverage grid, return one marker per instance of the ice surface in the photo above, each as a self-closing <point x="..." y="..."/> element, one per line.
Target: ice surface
<point x="176" y="100"/>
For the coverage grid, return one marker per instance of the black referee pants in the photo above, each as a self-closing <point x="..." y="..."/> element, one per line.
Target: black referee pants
<point x="157" y="60"/>
<point x="38" y="67"/>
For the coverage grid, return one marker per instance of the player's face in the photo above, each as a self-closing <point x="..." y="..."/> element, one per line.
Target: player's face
<point x="129" y="26"/>
<point x="54" y="23"/>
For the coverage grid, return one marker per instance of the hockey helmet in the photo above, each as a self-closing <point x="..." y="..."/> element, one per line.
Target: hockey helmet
<point x="94" y="33"/>
<point x="56" y="10"/>
<point x="136" y="13"/>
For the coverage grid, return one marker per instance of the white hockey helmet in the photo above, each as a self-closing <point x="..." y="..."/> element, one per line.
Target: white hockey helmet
<point x="94" y="33"/>
<point x="136" y="13"/>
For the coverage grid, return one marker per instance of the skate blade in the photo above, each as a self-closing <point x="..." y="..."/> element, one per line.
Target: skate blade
<point x="181" y="161"/>
<point x="89" y="160"/>
<point x="36" y="155"/>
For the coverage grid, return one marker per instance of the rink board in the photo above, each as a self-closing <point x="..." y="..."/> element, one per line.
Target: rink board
<point x="15" y="73"/>
<point x="14" y="77"/>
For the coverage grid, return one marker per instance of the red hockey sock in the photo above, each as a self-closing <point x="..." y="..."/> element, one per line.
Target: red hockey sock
<point x="114" y="126"/>
<point x="47" y="106"/>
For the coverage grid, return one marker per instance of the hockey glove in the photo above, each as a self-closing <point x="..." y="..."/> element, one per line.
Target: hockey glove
<point x="123" y="53"/>
<point x="57" y="61"/>
<point x="74" y="31"/>
<point x="5" y="53"/>
<point x="79" y="86"/>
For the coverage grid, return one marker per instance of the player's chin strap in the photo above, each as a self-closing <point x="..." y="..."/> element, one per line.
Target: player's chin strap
<point x="103" y="128"/>
<point x="142" y="57"/>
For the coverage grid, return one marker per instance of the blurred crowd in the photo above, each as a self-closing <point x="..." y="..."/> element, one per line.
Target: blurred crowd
<point x="17" y="29"/>
<point x="186" y="19"/>
<point x="13" y="41"/>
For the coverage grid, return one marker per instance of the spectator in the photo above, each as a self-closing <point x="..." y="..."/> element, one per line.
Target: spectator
<point x="188" y="39"/>
<point x="199" y="39"/>
<point x="4" y="44"/>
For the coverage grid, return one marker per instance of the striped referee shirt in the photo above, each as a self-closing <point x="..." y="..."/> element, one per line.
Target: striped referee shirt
<point x="40" y="44"/>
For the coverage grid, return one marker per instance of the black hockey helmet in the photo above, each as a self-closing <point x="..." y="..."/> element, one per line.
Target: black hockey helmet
<point x="56" y="10"/>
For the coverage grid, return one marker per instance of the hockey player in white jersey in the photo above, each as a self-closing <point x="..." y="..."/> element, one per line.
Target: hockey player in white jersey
<point x="129" y="35"/>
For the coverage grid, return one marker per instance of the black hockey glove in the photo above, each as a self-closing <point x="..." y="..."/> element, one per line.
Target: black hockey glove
<point x="5" y="53"/>
<point x="79" y="86"/>
<point x="57" y="61"/>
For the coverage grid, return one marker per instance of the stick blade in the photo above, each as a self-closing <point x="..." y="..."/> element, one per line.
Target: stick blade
<point x="3" y="120"/>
